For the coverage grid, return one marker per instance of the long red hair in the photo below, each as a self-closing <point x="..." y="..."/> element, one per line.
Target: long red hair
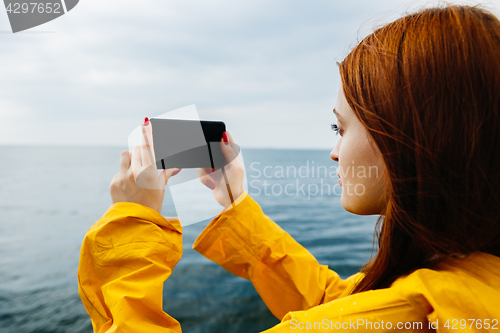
<point x="427" y="88"/>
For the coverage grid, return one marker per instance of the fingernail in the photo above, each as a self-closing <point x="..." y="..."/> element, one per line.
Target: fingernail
<point x="224" y="136"/>
<point x="146" y="122"/>
<point x="176" y="171"/>
<point x="210" y="185"/>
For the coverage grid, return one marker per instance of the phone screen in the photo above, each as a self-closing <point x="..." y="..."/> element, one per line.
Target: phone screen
<point x="187" y="143"/>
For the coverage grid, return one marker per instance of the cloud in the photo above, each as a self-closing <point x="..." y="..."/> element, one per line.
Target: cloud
<point x="253" y="64"/>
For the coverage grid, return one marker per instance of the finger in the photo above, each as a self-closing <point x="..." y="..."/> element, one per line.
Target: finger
<point x="146" y="158"/>
<point x="147" y="131"/>
<point x="205" y="177"/>
<point x="229" y="149"/>
<point x="204" y="172"/>
<point x="165" y="175"/>
<point x="146" y="147"/>
<point x="136" y="161"/>
<point x="201" y="172"/>
<point x="229" y="137"/>
<point x="232" y="144"/>
<point x="208" y="182"/>
<point x="124" y="161"/>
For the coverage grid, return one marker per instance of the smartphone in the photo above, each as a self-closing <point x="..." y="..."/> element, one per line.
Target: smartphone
<point x="182" y="143"/>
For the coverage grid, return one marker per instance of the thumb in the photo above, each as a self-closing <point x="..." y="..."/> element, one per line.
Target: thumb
<point x="165" y="175"/>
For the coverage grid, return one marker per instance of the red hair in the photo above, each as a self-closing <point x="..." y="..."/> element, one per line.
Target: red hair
<point x="427" y="88"/>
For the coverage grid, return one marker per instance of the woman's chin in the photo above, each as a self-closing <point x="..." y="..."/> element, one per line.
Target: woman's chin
<point x="358" y="206"/>
<point x="345" y="201"/>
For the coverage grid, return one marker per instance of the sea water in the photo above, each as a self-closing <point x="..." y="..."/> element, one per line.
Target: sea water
<point x="50" y="196"/>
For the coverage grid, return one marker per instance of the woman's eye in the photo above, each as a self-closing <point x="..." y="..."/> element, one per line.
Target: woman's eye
<point x="336" y="129"/>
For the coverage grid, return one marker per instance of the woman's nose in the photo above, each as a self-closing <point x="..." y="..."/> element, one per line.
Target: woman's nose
<point x="334" y="154"/>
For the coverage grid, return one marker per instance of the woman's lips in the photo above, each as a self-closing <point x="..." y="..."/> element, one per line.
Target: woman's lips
<point x="340" y="181"/>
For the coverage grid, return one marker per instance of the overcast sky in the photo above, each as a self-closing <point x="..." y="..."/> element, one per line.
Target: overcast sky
<point x="266" y="68"/>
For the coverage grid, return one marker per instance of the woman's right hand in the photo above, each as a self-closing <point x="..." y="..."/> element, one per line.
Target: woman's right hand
<point x="234" y="170"/>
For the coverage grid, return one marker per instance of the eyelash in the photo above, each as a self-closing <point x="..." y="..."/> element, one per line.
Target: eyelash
<point x="336" y="129"/>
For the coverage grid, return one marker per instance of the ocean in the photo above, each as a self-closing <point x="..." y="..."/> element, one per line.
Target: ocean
<point x="51" y="196"/>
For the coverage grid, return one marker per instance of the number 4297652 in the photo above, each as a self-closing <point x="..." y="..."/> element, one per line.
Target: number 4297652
<point x="455" y="324"/>
<point x="34" y="7"/>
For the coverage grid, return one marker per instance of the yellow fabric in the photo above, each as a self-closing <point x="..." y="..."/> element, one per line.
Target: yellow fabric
<point x="128" y="254"/>
<point x="125" y="258"/>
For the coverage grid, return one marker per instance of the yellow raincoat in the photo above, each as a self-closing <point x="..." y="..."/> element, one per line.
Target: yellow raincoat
<point x="128" y="254"/>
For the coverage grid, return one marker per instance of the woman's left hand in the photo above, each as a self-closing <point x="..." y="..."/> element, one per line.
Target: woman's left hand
<point x="138" y="180"/>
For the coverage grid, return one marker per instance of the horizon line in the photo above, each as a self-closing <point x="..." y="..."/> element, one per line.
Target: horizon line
<point x="48" y="145"/>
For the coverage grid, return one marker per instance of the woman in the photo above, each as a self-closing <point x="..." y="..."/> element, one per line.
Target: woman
<point x="420" y="101"/>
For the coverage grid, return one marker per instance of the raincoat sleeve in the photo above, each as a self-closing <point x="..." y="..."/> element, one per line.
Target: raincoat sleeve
<point x="125" y="258"/>
<point x="247" y="243"/>
<point x="376" y="311"/>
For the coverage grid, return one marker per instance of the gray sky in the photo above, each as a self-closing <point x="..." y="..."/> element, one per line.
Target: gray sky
<point x="267" y="68"/>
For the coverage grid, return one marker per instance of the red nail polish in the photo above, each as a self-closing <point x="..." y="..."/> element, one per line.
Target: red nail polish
<point x="224" y="136"/>
<point x="146" y="122"/>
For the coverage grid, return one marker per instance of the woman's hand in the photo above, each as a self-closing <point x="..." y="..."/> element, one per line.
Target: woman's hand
<point x="235" y="172"/>
<point x="138" y="180"/>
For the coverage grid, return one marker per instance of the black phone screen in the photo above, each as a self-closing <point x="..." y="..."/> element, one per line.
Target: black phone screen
<point x="187" y="143"/>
